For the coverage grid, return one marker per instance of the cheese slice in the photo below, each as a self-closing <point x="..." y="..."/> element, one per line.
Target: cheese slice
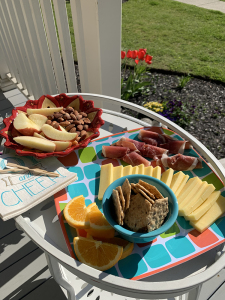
<point x="176" y="181"/>
<point x="182" y="184"/>
<point x="157" y="172"/>
<point x="202" y="209"/>
<point x="190" y="192"/>
<point x="135" y="170"/>
<point x="190" y="200"/>
<point x="141" y="169"/>
<point x="148" y="171"/>
<point x="197" y="201"/>
<point x="106" y="178"/>
<point x="167" y="176"/>
<point x="216" y="210"/>
<point x="127" y="170"/>
<point x="117" y="172"/>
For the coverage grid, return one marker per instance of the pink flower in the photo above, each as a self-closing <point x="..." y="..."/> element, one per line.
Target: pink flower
<point x="129" y="54"/>
<point x="141" y="54"/>
<point x="123" y="54"/>
<point x="148" y="59"/>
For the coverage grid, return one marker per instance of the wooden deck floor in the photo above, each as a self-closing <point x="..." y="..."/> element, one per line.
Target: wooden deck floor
<point x="24" y="273"/>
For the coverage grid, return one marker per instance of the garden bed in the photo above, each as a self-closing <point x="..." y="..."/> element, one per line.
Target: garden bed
<point x="205" y="101"/>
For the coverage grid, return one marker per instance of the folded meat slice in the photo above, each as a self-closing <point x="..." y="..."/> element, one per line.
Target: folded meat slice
<point x="180" y="162"/>
<point x="135" y="159"/>
<point x="114" y="151"/>
<point x="174" y="147"/>
<point x="164" y="141"/>
<point x="152" y="151"/>
<point x="147" y="135"/>
<point x="125" y="142"/>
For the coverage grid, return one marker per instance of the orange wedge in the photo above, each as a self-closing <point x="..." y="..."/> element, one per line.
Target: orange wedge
<point x="76" y="214"/>
<point x="127" y="246"/>
<point x="96" y="254"/>
<point x="99" y="226"/>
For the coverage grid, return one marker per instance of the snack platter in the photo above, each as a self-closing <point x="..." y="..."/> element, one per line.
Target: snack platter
<point x="175" y="246"/>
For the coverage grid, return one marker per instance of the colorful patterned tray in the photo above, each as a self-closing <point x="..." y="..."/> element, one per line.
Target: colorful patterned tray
<point x="175" y="246"/>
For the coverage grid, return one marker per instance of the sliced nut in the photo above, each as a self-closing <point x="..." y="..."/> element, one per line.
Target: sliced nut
<point x="69" y="127"/>
<point x="66" y="116"/>
<point x="72" y="130"/>
<point x="73" y="116"/>
<point x="58" y="115"/>
<point x="55" y="124"/>
<point x="79" y="127"/>
<point x="77" y="122"/>
<point x="60" y="120"/>
<point x="70" y="109"/>
<point x="83" y="132"/>
<point x="65" y="123"/>
<point x="87" y="121"/>
<point x="51" y="117"/>
<point x="83" y="114"/>
<point x="62" y="112"/>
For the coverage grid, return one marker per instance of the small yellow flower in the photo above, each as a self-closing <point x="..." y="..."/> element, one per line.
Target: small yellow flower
<point x="155" y="106"/>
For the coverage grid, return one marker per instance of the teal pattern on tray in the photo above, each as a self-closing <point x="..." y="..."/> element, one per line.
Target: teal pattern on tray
<point x="219" y="227"/>
<point x="156" y="256"/>
<point x="77" y="189"/>
<point x="79" y="172"/>
<point x="136" y="266"/>
<point x="180" y="247"/>
<point x="92" y="171"/>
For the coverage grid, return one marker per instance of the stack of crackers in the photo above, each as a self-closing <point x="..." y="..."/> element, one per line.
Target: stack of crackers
<point x="139" y="207"/>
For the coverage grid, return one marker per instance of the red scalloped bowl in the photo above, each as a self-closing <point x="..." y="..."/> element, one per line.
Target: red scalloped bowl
<point x="77" y="102"/>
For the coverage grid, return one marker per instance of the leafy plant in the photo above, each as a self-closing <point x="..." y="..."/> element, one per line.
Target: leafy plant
<point x="135" y="84"/>
<point x="179" y="113"/>
<point x="183" y="81"/>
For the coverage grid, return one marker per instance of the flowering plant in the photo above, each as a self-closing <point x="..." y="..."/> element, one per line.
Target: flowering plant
<point x="174" y="110"/>
<point x="135" y="83"/>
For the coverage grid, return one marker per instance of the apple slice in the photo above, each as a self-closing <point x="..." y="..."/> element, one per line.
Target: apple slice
<point x="39" y="120"/>
<point x="40" y="136"/>
<point x="24" y="125"/>
<point x="15" y="132"/>
<point x="60" y="145"/>
<point x="35" y="143"/>
<point x="62" y="128"/>
<point x="43" y="111"/>
<point x="57" y="135"/>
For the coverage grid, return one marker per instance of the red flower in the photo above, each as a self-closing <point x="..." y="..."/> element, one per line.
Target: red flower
<point x="123" y="54"/>
<point x="134" y="54"/>
<point x="141" y="49"/>
<point x="148" y="59"/>
<point x="129" y="54"/>
<point x="141" y="54"/>
<point x="136" y="61"/>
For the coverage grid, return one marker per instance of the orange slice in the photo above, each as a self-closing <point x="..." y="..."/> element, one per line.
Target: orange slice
<point x="75" y="213"/>
<point x="99" y="226"/>
<point x="96" y="254"/>
<point x="127" y="246"/>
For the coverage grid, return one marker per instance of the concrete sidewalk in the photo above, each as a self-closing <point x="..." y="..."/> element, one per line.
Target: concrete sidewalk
<point x="208" y="4"/>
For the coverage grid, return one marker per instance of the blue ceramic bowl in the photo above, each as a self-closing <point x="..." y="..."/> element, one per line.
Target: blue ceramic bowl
<point x="136" y="237"/>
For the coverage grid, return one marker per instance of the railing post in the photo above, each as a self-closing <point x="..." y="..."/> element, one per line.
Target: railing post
<point x="5" y="83"/>
<point x="97" y="29"/>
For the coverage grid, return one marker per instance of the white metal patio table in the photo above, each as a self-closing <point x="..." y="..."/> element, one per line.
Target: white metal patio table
<point x="183" y="281"/>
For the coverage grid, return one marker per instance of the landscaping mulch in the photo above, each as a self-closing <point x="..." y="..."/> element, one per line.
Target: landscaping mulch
<point x="208" y="97"/>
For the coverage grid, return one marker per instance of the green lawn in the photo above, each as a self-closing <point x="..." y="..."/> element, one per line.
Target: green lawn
<point x="181" y="37"/>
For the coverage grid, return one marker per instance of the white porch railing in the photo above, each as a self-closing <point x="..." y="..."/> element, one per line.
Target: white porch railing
<point x="41" y="62"/>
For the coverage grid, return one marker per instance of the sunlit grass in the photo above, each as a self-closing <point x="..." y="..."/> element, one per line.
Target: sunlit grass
<point x="181" y="37"/>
